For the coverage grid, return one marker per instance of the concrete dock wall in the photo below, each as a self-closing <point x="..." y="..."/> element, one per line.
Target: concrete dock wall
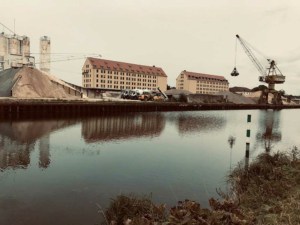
<point x="39" y="107"/>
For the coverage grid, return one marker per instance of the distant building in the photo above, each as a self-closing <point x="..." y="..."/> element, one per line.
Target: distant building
<point x="107" y="74"/>
<point x="199" y="83"/>
<point x="14" y="51"/>
<point x="241" y="91"/>
<point x="45" y="53"/>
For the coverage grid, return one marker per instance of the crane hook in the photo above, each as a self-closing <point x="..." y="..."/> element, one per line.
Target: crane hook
<point x="234" y="73"/>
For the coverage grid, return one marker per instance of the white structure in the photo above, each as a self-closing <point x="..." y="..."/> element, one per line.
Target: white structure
<point x="14" y="51"/>
<point x="45" y="51"/>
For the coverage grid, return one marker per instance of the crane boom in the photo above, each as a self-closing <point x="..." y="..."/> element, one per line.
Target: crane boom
<point x="252" y="57"/>
<point x="271" y="76"/>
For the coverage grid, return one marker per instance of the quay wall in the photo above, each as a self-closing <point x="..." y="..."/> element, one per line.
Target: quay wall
<point x="68" y="108"/>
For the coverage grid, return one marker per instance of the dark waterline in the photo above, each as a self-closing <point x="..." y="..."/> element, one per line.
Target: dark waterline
<point x="56" y="171"/>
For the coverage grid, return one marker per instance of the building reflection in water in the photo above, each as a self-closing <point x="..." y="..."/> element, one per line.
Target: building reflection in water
<point x="195" y="123"/>
<point x="44" y="146"/>
<point x="18" y="139"/>
<point x="122" y="127"/>
<point x="270" y="129"/>
<point x="231" y="142"/>
<point x="13" y="155"/>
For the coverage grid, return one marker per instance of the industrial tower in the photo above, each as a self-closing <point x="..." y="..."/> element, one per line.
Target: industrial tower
<point x="45" y="51"/>
<point x="14" y="51"/>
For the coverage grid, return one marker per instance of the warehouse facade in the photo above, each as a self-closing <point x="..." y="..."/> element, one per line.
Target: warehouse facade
<point x="199" y="83"/>
<point x="108" y="74"/>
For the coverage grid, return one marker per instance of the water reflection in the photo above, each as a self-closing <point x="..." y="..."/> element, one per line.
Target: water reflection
<point x="194" y="123"/>
<point x="123" y="127"/>
<point x="18" y="139"/>
<point x="270" y="133"/>
<point x="133" y="159"/>
<point x="13" y="155"/>
<point x="231" y="142"/>
<point x="44" y="147"/>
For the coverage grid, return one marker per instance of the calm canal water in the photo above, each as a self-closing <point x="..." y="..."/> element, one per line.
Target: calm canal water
<point x="56" y="171"/>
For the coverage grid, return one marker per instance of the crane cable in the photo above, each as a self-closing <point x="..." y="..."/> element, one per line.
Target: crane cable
<point x="235" y="73"/>
<point x="235" y="55"/>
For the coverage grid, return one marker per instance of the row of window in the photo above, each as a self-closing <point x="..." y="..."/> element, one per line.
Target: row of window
<point x="122" y="73"/>
<point x="127" y="83"/>
<point x="112" y="72"/>
<point x="201" y="78"/>
<point x="121" y="78"/>
<point x="132" y="79"/>
<point x="122" y="82"/>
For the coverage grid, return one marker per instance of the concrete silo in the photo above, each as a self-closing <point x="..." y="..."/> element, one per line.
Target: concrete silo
<point x="3" y="50"/>
<point x="26" y="46"/>
<point x="14" y="51"/>
<point x="45" y="51"/>
<point x="14" y="45"/>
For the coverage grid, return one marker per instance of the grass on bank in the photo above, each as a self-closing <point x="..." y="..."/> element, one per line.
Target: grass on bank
<point x="270" y="188"/>
<point x="267" y="192"/>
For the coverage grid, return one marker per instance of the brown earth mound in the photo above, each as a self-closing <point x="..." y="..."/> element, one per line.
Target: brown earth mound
<point x="32" y="83"/>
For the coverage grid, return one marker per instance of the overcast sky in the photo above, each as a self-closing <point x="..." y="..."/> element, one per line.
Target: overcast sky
<point x="193" y="35"/>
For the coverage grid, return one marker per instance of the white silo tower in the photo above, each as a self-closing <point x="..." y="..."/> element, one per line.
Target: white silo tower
<point x="45" y="51"/>
<point x="26" y="46"/>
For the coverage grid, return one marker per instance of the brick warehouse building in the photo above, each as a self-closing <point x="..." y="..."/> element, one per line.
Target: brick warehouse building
<point x="113" y="75"/>
<point x="199" y="83"/>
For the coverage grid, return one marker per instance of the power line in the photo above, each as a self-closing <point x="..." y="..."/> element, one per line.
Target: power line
<point x="66" y="59"/>
<point x="7" y="28"/>
<point x="65" y="53"/>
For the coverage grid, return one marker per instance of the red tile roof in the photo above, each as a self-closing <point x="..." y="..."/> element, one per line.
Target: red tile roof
<point x="125" y="67"/>
<point x="196" y="76"/>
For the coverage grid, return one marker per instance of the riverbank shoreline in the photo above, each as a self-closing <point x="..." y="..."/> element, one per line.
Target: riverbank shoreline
<point x="266" y="192"/>
<point x="52" y="106"/>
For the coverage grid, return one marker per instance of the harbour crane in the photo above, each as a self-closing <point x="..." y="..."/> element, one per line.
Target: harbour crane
<point x="271" y="75"/>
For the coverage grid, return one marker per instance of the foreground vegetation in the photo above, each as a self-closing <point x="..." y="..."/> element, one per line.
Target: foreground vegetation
<point x="267" y="192"/>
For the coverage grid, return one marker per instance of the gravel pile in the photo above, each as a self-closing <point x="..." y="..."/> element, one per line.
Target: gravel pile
<point x="7" y="80"/>
<point x="236" y="98"/>
<point x="28" y="82"/>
